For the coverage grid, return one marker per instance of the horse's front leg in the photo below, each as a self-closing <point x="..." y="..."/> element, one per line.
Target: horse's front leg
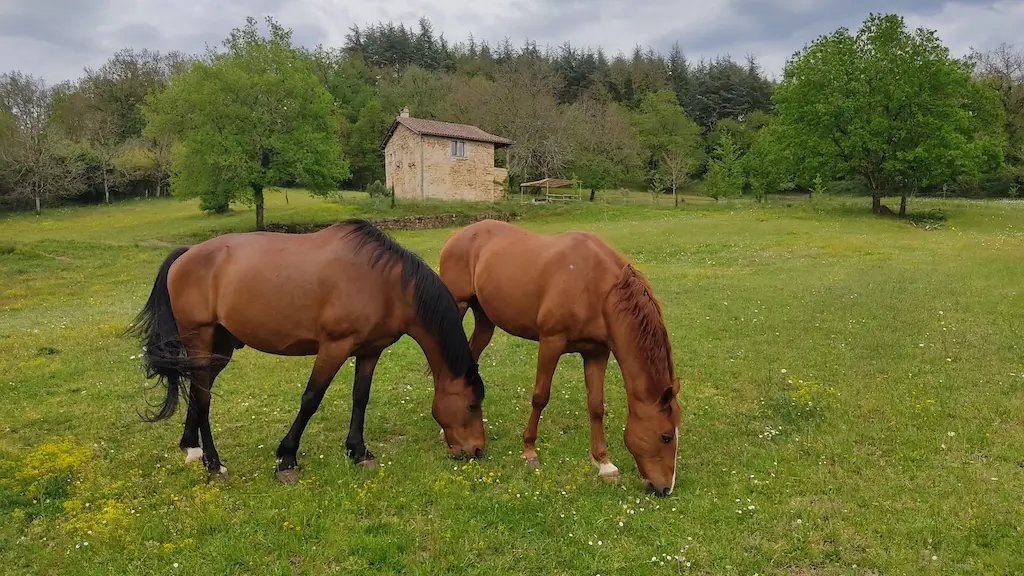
<point x="549" y="352"/>
<point x="594" y="366"/>
<point x="355" y="446"/>
<point x="328" y="361"/>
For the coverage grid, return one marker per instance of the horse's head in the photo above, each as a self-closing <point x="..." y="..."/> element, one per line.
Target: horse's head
<point x="652" y="436"/>
<point x="458" y="409"/>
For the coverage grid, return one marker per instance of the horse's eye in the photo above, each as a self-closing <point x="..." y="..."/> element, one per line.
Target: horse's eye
<point x="666" y="438"/>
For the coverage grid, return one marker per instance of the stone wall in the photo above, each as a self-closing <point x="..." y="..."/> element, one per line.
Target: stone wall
<point x="402" y="222"/>
<point x="402" y="163"/>
<point x="469" y="178"/>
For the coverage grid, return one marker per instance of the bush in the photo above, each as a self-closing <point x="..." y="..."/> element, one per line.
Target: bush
<point x="377" y="189"/>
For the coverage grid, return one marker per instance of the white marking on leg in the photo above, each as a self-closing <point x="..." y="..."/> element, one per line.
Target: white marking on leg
<point x="223" y="469"/>
<point x="675" y="457"/>
<point x="193" y="454"/>
<point x="607" y="469"/>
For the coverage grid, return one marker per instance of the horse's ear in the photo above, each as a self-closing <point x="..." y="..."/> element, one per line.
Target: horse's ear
<point x="666" y="398"/>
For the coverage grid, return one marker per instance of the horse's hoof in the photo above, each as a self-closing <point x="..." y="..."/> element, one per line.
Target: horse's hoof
<point x="289" y="476"/>
<point x="369" y="463"/>
<point x="193" y="455"/>
<point x="609" y="473"/>
<point x="533" y="463"/>
<point x="221" y="473"/>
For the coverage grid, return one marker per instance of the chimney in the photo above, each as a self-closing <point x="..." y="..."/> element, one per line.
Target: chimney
<point x="405" y="112"/>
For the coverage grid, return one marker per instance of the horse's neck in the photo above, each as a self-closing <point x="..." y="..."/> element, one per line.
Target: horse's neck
<point x="432" y="350"/>
<point x="630" y="357"/>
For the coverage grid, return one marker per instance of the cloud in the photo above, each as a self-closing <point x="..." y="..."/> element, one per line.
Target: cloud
<point x="57" y="39"/>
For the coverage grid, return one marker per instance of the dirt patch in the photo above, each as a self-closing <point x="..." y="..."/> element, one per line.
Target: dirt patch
<point x="404" y="222"/>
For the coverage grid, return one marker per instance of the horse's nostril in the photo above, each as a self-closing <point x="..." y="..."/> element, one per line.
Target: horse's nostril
<point x="479" y="453"/>
<point x="666" y="491"/>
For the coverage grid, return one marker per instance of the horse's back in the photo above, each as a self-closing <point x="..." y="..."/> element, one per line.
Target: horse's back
<point x="275" y="292"/>
<point x="530" y="283"/>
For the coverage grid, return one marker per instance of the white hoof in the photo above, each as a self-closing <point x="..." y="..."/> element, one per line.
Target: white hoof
<point x="193" y="455"/>
<point x="607" y="469"/>
<point x="223" y="469"/>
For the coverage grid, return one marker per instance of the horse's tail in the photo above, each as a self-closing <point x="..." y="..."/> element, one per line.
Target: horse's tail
<point x="163" y="353"/>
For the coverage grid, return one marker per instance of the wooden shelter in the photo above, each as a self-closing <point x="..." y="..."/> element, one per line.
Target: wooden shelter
<point x="548" y="183"/>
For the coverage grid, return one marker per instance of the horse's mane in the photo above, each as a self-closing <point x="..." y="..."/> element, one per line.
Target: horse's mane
<point x="435" y="307"/>
<point x="642" y="313"/>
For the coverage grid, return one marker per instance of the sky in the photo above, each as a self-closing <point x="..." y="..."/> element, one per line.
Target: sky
<point x="58" y="39"/>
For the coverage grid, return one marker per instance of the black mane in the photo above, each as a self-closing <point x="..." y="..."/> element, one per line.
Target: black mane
<point x="435" y="307"/>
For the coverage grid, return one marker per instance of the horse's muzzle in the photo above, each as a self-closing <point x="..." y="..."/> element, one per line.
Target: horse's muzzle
<point x="656" y="489"/>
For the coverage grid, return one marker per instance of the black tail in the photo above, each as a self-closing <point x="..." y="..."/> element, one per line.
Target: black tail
<point x="163" y="353"/>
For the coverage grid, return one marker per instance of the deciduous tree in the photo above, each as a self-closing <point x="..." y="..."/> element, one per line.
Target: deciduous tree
<point x="888" y="105"/>
<point x="604" y="149"/>
<point x="249" y="118"/>
<point x="1002" y="69"/>
<point x="725" y="174"/>
<point x="41" y="164"/>
<point x="662" y="126"/>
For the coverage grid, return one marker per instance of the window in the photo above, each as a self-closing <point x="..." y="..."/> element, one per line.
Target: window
<point x="458" y="148"/>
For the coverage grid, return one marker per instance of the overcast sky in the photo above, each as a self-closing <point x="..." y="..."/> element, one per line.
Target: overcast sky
<point x="56" y="39"/>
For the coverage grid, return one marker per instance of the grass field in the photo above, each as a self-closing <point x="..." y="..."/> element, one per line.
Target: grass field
<point x="852" y="394"/>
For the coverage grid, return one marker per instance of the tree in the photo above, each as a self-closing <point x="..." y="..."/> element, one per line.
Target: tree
<point x="768" y="165"/>
<point x="521" y="104"/>
<point x="604" y="149"/>
<point x="363" y="148"/>
<point x="145" y="159"/>
<point x="102" y="111"/>
<point x="676" y="168"/>
<point x="889" y="106"/>
<point x="1002" y="69"/>
<point x="662" y="126"/>
<point x="253" y="117"/>
<point x="41" y="163"/>
<point x="105" y="142"/>
<point x="725" y="174"/>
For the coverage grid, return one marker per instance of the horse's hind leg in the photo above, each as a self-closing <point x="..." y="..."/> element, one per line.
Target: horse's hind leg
<point x="209" y="349"/>
<point x="224" y="345"/>
<point x="594" y="367"/>
<point x="483" y="330"/>
<point x="328" y="361"/>
<point x="547" y="360"/>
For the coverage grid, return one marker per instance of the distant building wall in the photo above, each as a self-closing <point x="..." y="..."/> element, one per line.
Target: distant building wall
<point x="402" y="163"/>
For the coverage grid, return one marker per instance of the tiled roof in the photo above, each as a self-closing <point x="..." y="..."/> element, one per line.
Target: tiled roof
<point x="444" y="130"/>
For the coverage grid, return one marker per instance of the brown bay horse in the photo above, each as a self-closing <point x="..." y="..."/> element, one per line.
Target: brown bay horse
<point x="572" y="293"/>
<point x="340" y="292"/>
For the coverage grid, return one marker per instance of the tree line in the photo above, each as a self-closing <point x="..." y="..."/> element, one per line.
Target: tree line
<point x="884" y="110"/>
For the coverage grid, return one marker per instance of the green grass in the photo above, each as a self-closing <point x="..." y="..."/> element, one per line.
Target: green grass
<point x="851" y="388"/>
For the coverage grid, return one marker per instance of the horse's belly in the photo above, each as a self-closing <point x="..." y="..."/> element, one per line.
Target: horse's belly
<point x="280" y="344"/>
<point x="510" y="313"/>
<point x="278" y="327"/>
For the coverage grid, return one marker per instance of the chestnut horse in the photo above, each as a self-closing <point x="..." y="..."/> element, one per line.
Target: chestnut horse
<point x="572" y="293"/>
<point x="303" y="295"/>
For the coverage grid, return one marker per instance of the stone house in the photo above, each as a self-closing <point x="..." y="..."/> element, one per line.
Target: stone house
<point x="431" y="159"/>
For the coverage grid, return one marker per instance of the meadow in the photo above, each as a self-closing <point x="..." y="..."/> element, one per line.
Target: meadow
<point x="852" y="391"/>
